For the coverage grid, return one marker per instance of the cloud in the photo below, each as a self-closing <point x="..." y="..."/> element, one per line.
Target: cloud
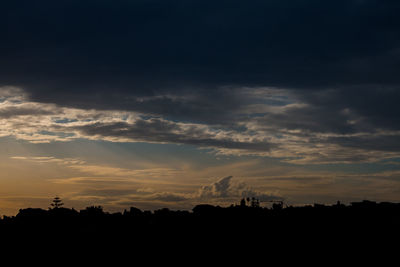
<point x="117" y="196"/>
<point x="65" y="124"/>
<point x="47" y="159"/>
<point x="141" y="47"/>
<point x="309" y="82"/>
<point x="91" y="181"/>
<point x="112" y="192"/>
<point x="160" y="131"/>
<point x="223" y="191"/>
<point x="191" y="61"/>
<point x="169" y="197"/>
<point x="218" y="189"/>
<point x="282" y="125"/>
<point x="96" y="173"/>
<point x="224" y="188"/>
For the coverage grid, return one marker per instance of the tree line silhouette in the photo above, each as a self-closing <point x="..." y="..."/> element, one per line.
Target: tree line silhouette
<point x="237" y="227"/>
<point x="246" y="217"/>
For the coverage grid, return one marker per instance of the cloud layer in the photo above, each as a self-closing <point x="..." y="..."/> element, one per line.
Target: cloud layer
<point x="61" y="49"/>
<point x="279" y="126"/>
<point x="225" y="189"/>
<point x="304" y="81"/>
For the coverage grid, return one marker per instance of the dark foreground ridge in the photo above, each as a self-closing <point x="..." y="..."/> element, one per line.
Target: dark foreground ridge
<point x="245" y="231"/>
<point x="358" y="220"/>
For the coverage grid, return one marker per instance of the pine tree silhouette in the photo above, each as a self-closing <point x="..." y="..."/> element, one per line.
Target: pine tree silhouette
<point x="57" y="203"/>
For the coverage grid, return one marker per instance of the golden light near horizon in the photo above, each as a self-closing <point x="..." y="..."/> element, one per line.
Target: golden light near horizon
<point x="165" y="104"/>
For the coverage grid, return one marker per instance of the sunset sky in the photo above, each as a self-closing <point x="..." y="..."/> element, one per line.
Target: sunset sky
<point x="172" y="103"/>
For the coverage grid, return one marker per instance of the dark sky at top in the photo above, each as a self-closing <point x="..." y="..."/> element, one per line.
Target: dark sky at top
<point x="331" y="55"/>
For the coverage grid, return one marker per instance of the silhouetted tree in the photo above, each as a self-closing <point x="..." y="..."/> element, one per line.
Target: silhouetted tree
<point x="278" y="205"/>
<point x="57" y="203"/>
<point x="93" y="211"/>
<point x="243" y="202"/>
<point x="255" y="203"/>
<point x="135" y="211"/>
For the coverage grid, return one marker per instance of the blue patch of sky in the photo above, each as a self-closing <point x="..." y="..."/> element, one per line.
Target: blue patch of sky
<point x="355" y="168"/>
<point x="276" y="101"/>
<point x="64" y="120"/>
<point x="15" y="101"/>
<point x="59" y="134"/>
<point x="104" y="152"/>
<point x="393" y="161"/>
<point x="125" y="155"/>
<point x="124" y="117"/>
<point x="164" y="152"/>
<point x="148" y="117"/>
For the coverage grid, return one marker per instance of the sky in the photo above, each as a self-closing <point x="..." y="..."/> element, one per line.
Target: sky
<point x="174" y="103"/>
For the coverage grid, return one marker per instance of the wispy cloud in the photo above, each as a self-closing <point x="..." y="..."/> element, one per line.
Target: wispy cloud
<point x="92" y="173"/>
<point x="36" y="122"/>
<point x="286" y="128"/>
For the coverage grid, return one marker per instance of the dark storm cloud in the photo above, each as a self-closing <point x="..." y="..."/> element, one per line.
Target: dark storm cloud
<point x="107" y="51"/>
<point x="383" y="142"/>
<point x="9" y="112"/>
<point x="309" y="119"/>
<point x="374" y="106"/>
<point x="190" y="61"/>
<point x="157" y="130"/>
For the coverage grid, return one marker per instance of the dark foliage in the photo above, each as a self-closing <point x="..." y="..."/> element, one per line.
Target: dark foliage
<point x="240" y="229"/>
<point x="207" y="219"/>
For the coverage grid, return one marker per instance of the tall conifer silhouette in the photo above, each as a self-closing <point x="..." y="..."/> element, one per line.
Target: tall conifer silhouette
<point x="57" y="203"/>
